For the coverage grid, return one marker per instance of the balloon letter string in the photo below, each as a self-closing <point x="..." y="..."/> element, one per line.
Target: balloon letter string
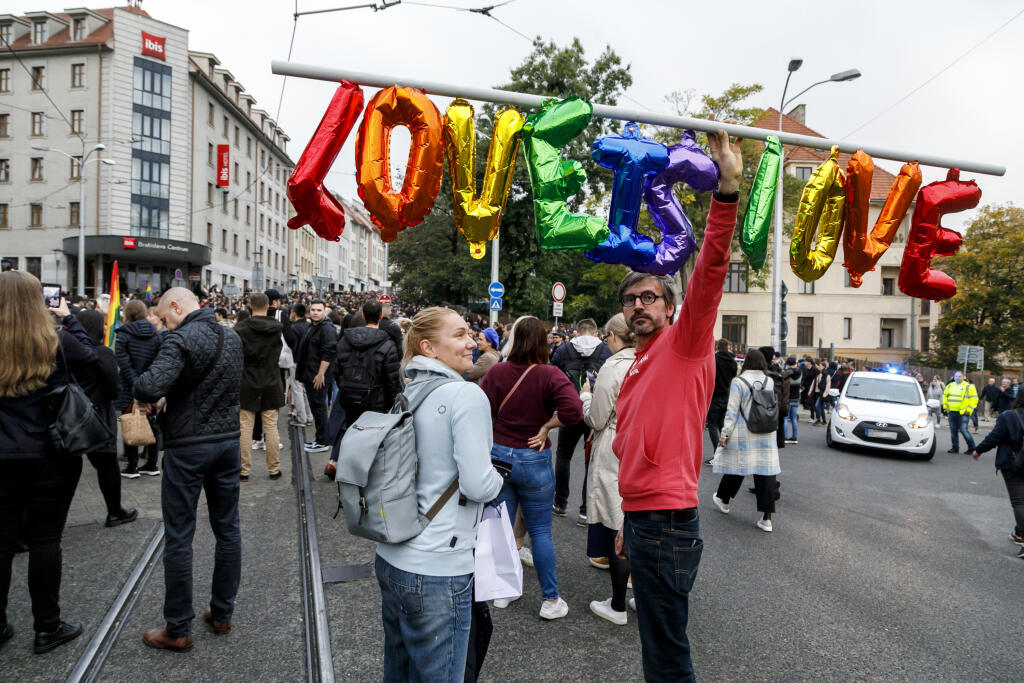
<point x="314" y="205"/>
<point x="757" y="222"/>
<point x="394" y="211"/>
<point x="928" y="239"/>
<point x="476" y="217"/>
<point x="633" y="158"/>
<point x="821" y="212"/>
<point x="861" y="250"/>
<point x="553" y="180"/>
<point x="687" y="163"/>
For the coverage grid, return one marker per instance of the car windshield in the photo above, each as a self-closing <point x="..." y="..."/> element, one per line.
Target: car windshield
<point x="884" y="390"/>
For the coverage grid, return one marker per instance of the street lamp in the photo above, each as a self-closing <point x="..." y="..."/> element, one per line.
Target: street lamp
<point x="81" y="200"/>
<point x="842" y="76"/>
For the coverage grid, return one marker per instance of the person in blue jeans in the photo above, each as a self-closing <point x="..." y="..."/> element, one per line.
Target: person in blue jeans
<point x="528" y="398"/>
<point x="795" y="376"/>
<point x="426" y="582"/>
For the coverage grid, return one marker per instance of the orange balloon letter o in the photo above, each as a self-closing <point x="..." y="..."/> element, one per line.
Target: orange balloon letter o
<point x="390" y="210"/>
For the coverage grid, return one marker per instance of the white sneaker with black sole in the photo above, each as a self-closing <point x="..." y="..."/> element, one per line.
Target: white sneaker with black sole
<point x="317" y="447"/>
<point x="554" y="609"/>
<point x="604" y="609"/>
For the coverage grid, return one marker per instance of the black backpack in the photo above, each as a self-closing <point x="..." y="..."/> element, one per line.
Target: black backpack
<point x="763" y="415"/>
<point x="358" y="378"/>
<point x="578" y="366"/>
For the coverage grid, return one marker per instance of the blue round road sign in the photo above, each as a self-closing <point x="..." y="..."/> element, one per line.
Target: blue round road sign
<point x="496" y="290"/>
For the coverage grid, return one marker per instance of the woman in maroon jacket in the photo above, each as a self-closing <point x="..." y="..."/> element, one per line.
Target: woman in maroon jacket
<point x="528" y="399"/>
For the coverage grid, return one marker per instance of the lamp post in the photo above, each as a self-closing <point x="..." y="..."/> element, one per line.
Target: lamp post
<point x="794" y="64"/>
<point x="81" y="200"/>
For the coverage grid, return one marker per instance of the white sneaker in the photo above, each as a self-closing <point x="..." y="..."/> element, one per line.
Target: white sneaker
<point x="764" y="525"/>
<point x="554" y="609"/>
<point x="724" y="507"/>
<point x="259" y="445"/>
<point x="526" y="556"/>
<point x="502" y="603"/>
<point x="632" y="604"/>
<point x="604" y="610"/>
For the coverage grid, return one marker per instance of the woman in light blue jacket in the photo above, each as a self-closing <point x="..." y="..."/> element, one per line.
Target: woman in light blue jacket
<point x="426" y="583"/>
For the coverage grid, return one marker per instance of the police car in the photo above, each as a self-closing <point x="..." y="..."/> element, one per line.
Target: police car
<point x="885" y="412"/>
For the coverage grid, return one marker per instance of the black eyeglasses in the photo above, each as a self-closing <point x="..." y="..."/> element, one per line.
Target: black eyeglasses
<point x="646" y="298"/>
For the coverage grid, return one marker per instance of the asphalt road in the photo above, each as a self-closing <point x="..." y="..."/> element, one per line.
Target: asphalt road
<point x="879" y="568"/>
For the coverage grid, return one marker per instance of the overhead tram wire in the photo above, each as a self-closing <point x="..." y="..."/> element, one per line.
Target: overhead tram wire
<point x="937" y="74"/>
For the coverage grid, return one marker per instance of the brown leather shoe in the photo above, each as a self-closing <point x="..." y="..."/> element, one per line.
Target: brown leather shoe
<point x="158" y="638"/>
<point x="219" y="627"/>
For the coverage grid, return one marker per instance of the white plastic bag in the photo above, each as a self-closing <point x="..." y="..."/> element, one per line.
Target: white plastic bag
<point x="499" y="571"/>
<point x="300" y="403"/>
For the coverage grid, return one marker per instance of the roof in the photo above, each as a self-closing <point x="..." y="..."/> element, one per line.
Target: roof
<point x="61" y="38"/>
<point x="881" y="180"/>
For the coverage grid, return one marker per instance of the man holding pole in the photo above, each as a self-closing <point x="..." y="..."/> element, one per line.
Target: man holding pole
<point x="661" y="411"/>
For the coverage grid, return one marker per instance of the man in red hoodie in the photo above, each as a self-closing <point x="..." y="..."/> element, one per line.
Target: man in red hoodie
<point x="661" y="410"/>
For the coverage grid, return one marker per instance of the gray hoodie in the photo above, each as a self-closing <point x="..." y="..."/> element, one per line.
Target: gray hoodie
<point x="453" y="437"/>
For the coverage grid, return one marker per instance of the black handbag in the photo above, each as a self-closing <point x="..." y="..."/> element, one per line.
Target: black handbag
<point x="76" y="428"/>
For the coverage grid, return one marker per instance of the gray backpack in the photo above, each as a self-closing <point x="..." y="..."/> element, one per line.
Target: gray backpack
<point x="762" y="416"/>
<point x="377" y="473"/>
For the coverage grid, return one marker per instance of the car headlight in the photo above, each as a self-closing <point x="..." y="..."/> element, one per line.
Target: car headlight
<point x="843" y="411"/>
<point x="921" y="422"/>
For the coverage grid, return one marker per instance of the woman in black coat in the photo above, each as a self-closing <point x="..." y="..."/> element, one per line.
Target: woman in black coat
<point x="136" y="346"/>
<point x="37" y="482"/>
<point x="1007" y="437"/>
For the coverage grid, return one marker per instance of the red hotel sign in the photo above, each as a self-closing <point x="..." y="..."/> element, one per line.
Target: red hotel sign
<point x="223" y="162"/>
<point x="153" y="46"/>
<point x="127" y="242"/>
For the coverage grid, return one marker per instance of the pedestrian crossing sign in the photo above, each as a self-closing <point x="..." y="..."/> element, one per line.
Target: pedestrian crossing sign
<point x="495" y="303"/>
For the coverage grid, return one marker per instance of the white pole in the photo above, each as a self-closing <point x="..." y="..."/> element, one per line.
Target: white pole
<point x="324" y="73"/>
<point x="81" y="226"/>
<point x="494" y="276"/>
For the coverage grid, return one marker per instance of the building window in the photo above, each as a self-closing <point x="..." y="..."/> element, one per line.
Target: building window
<point x="888" y="286"/>
<point x="926" y="307"/>
<point x="75" y="168"/>
<point x="224" y="203"/>
<point x="211" y="112"/>
<point x="926" y="338"/>
<point x="247" y="248"/>
<point x="38" y="32"/>
<point x="887" y="338"/>
<point x="847" y="328"/>
<point x="248" y="215"/>
<point x="223" y="240"/>
<point x="248" y="179"/>
<point x="736" y="278"/>
<point x="209" y="234"/>
<point x="803" y="173"/>
<point x="151" y="132"/>
<point x="35" y="215"/>
<point x="38" y="124"/>
<point x="34" y="265"/>
<point x="37" y="169"/>
<point x="151" y="178"/>
<point x="73" y="213"/>
<point x="78" y="29"/>
<point x="209" y="154"/>
<point x="804" y="331"/>
<point x="209" y="194"/>
<point x="5" y="80"/>
<point x="734" y="329"/>
<point x="804" y="287"/>
<point x="235" y="209"/>
<point x="261" y="223"/>
<point x="236" y="136"/>
<point x="5" y="170"/>
<point x="5" y="120"/>
<point x="39" y="78"/>
<point x="5" y="35"/>
<point x="78" y="75"/>
<point x="248" y="147"/>
<point x="77" y="121"/>
<point x="225" y="127"/>
<point x="236" y="173"/>
<point x="4" y="224"/>
<point x="234" y="245"/>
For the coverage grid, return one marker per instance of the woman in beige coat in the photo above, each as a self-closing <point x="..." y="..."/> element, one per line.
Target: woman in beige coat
<point x="604" y="505"/>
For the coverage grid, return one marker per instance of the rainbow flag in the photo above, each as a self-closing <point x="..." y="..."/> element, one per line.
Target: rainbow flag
<point x="149" y="292"/>
<point x="114" y="309"/>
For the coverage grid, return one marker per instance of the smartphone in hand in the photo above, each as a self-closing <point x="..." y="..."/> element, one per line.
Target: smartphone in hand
<point x="51" y="294"/>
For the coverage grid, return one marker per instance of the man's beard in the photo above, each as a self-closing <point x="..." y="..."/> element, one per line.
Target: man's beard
<point x="637" y="321"/>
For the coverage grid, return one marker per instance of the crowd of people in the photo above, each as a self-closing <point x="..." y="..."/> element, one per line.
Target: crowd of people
<point x="212" y="374"/>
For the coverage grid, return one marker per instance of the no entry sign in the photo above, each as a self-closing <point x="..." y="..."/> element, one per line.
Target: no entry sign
<point x="558" y="292"/>
<point x="384" y="299"/>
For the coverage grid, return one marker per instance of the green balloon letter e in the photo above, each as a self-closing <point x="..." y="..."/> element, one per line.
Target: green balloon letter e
<point x="553" y="181"/>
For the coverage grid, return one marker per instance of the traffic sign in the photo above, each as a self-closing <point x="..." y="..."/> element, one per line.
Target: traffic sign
<point x="556" y="309"/>
<point x="558" y="292"/>
<point x="496" y="303"/>
<point x="496" y="290"/>
<point x="177" y="273"/>
<point x="385" y="299"/>
<point x="971" y="354"/>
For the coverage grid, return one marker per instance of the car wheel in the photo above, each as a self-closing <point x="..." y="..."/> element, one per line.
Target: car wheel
<point x="931" y="451"/>
<point x="828" y="435"/>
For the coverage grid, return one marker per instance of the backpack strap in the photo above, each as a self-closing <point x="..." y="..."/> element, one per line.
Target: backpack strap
<point x="514" y="387"/>
<point x="427" y="391"/>
<point x="443" y="500"/>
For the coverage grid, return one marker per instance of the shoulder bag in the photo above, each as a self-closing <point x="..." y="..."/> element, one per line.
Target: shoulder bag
<point x="76" y="428"/>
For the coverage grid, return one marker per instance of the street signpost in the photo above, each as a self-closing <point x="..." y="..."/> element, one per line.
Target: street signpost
<point x="971" y="354"/>
<point x="557" y="310"/>
<point x="558" y="294"/>
<point x="496" y="290"/>
<point x="385" y="299"/>
<point x="495" y="303"/>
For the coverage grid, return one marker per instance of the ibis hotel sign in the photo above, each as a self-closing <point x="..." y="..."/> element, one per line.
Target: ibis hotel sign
<point x="154" y="46"/>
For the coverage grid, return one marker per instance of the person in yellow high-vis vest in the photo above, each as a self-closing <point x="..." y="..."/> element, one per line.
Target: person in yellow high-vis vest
<point x="959" y="400"/>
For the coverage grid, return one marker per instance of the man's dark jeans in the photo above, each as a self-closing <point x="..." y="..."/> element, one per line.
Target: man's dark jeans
<point x="318" y="406"/>
<point x="188" y="470"/>
<point x="568" y="437"/>
<point x="1015" y="489"/>
<point x="663" y="561"/>
<point x="35" y="495"/>
<point x="715" y="421"/>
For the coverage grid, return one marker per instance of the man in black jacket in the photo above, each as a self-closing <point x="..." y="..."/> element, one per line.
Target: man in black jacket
<point x="368" y="371"/>
<point x="195" y="380"/>
<point x="725" y="370"/>
<point x="313" y="360"/>
<point x="794" y="376"/>
<point x="390" y="326"/>
<point x="261" y="392"/>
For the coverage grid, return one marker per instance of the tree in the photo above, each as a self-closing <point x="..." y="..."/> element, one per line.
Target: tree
<point x="986" y="310"/>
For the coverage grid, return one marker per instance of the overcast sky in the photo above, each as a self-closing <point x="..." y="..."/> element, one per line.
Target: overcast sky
<point x="974" y="110"/>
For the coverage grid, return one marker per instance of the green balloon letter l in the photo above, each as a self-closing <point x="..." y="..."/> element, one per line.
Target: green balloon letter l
<point x="554" y="180"/>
